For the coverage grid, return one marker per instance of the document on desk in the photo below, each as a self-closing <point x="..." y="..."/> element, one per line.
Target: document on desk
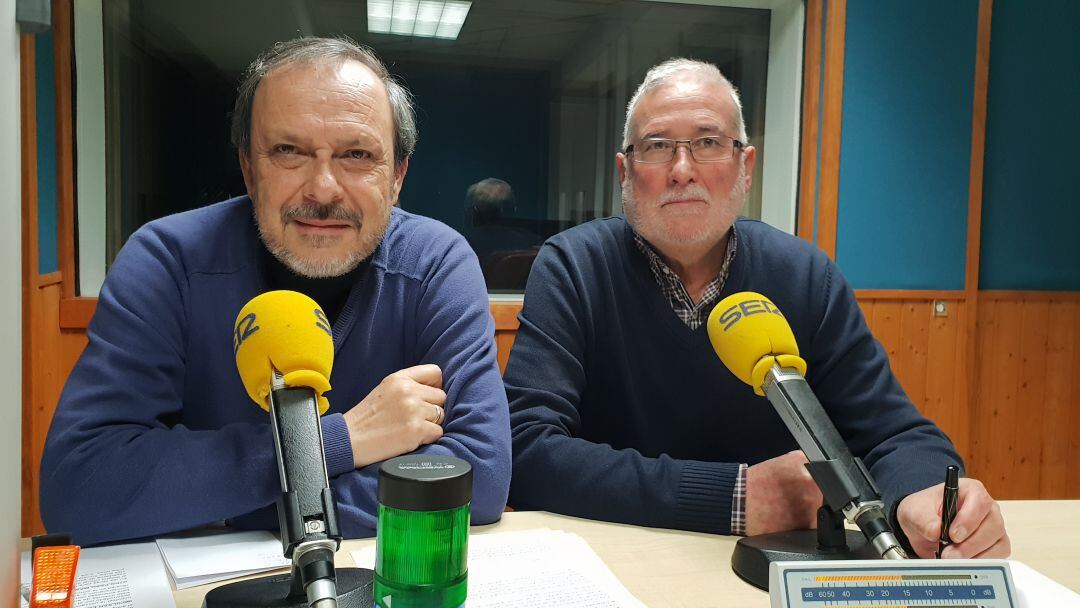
<point x="200" y="558"/>
<point x="537" y="568"/>
<point x="1035" y="590"/>
<point x="120" y="576"/>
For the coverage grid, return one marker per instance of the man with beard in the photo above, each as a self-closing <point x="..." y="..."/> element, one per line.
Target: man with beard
<point x="619" y="408"/>
<point x="154" y="432"/>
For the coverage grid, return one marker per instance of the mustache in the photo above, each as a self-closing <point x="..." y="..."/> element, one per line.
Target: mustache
<point x="315" y="211"/>
<point x="692" y="191"/>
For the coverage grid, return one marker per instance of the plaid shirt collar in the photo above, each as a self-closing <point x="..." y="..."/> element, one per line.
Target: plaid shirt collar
<point x="694" y="315"/>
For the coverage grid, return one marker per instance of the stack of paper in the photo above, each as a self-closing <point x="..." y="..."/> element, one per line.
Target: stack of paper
<point x="119" y="576"/>
<point x="209" y="557"/>
<point x="538" y="568"/>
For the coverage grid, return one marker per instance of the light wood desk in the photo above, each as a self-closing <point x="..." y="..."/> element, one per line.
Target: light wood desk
<point x="673" y="569"/>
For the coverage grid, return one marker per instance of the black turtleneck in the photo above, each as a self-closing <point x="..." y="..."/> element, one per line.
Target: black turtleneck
<point x="330" y="292"/>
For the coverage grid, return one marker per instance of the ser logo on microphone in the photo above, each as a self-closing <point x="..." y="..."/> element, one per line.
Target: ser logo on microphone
<point x="244" y="328"/>
<point x="746" y="308"/>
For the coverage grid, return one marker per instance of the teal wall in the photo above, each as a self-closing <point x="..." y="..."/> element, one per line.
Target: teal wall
<point x="1031" y="205"/>
<point x="906" y="143"/>
<point x="906" y="139"/>
<point x="45" y="94"/>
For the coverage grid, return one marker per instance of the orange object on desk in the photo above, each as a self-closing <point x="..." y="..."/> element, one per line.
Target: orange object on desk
<point x="54" y="577"/>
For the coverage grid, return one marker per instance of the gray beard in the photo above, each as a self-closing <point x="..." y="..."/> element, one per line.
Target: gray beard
<point x="323" y="269"/>
<point x="733" y="201"/>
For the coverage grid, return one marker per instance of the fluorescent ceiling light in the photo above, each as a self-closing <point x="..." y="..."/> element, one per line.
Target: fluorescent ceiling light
<point x="427" y="18"/>
<point x="404" y="17"/>
<point x="418" y="18"/>
<point x="378" y="15"/>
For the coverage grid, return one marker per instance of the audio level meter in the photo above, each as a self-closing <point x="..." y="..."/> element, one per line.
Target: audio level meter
<point x="953" y="583"/>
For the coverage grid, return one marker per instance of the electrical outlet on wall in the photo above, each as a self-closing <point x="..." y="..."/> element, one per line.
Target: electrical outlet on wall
<point x="941" y="308"/>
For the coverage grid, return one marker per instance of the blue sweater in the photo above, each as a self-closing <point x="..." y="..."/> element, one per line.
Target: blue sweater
<point x="154" y="432"/>
<point x="619" y="411"/>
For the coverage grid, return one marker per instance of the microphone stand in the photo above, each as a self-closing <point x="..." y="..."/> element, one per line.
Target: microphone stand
<point x="307" y="517"/>
<point x="848" y="490"/>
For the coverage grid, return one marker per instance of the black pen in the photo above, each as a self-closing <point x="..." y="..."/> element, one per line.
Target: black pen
<point x="948" y="506"/>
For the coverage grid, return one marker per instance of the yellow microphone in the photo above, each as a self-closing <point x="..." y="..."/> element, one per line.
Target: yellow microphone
<point x="751" y="335"/>
<point x="284" y="352"/>
<point x="286" y="332"/>
<point x="755" y="342"/>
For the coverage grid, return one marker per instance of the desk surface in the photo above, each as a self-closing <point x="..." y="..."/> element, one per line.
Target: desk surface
<point x="674" y="569"/>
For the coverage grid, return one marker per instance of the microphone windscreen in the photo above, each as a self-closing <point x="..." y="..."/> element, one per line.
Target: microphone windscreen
<point x="750" y="335"/>
<point x="286" y="331"/>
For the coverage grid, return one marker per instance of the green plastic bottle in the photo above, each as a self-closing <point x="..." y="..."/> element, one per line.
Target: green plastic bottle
<point x="422" y="546"/>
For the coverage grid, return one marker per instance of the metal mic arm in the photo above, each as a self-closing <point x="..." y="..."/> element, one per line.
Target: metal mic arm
<point x="844" y="481"/>
<point x="307" y="514"/>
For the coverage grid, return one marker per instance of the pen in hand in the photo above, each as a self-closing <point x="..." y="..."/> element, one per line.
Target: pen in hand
<point x="948" y="506"/>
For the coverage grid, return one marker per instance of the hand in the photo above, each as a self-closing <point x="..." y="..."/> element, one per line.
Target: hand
<point x="978" y="530"/>
<point x="402" y="413"/>
<point x="781" y="495"/>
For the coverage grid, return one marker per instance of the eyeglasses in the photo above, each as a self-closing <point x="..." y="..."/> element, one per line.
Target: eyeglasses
<point x="708" y="149"/>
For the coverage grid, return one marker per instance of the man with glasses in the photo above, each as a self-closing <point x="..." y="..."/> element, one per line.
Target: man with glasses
<point x="619" y="408"/>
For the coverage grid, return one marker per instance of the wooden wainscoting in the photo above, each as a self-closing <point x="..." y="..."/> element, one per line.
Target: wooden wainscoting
<point x="1018" y="426"/>
<point x="927" y="355"/>
<point x="506" y="324"/>
<point x="49" y="352"/>
<point x="1026" y="426"/>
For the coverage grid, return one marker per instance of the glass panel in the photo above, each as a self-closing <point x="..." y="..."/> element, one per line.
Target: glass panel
<point x="520" y="102"/>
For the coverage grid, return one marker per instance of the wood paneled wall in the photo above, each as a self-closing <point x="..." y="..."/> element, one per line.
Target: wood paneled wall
<point x="506" y="324"/>
<point x="927" y="354"/>
<point x="49" y="352"/>
<point x="1017" y="426"/>
<point x="1026" y="427"/>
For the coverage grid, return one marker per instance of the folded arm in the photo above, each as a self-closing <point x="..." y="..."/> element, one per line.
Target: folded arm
<point x="455" y="332"/>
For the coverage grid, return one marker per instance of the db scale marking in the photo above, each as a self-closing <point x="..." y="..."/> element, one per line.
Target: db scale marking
<point x="965" y="583"/>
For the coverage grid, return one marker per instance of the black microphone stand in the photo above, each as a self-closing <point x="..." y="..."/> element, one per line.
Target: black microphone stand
<point x="847" y="487"/>
<point x="830" y="541"/>
<point x="307" y="516"/>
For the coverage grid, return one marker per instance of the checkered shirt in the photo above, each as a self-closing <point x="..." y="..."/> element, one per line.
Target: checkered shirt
<point x="694" y="315"/>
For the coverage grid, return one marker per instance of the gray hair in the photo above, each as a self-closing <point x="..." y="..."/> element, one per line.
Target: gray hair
<point x="663" y="72"/>
<point x="311" y="50"/>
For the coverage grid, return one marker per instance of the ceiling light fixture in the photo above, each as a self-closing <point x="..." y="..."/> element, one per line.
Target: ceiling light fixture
<point x="418" y="18"/>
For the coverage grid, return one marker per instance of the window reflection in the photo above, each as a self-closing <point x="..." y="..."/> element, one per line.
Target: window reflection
<point x="504" y="245"/>
<point x="520" y="116"/>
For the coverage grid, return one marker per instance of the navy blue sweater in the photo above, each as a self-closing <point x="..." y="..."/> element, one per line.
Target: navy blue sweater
<point x="154" y="432"/>
<point x="619" y="411"/>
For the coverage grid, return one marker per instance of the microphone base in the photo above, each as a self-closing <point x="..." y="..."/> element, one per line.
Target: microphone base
<point x="753" y="554"/>
<point x="355" y="589"/>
